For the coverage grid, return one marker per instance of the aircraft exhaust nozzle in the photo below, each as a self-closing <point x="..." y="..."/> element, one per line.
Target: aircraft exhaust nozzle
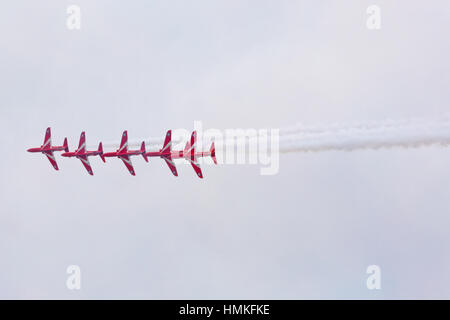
<point x="66" y="145"/>
<point x="212" y="151"/>
<point x="143" y="151"/>
<point x="100" y="150"/>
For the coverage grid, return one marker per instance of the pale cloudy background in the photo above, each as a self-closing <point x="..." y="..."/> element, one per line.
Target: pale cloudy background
<point x="147" y="66"/>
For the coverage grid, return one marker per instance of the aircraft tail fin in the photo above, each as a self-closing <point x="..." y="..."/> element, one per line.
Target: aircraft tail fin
<point x="187" y="147"/>
<point x="66" y="145"/>
<point x="144" y="155"/>
<point x="212" y="151"/>
<point x="100" y="150"/>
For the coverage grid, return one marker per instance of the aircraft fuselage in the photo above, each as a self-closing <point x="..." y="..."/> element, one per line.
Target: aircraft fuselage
<point x="123" y="154"/>
<point x="51" y="149"/>
<point x="81" y="154"/>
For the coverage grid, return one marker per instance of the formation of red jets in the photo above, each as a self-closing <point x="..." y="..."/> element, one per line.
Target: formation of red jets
<point x="124" y="154"/>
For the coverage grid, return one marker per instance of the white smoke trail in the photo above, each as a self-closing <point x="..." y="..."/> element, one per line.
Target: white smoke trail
<point x="370" y="135"/>
<point x="366" y="139"/>
<point x="410" y="133"/>
<point x="368" y="125"/>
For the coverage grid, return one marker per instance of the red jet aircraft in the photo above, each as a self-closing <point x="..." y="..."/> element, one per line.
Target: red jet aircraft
<point x="48" y="150"/>
<point x="82" y="154"/>
<point x="188" y="154"/>
<point x="124" y="154"/>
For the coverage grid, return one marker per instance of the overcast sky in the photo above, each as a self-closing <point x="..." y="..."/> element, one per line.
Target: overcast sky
<point x="148" y="66"/>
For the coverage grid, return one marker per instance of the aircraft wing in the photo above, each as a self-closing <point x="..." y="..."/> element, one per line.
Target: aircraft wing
<point x="171" y="165"/>
<point x="126" y="160"/>
<point x="167" y="142"/>
<point x="124" y="142"/>
<point x="192" y="159"/>
<point x="82" y="144"/>
<point x="87" y="165"/>
<point x="47" y="139"/>
<point x="51" y="158"/>
<point x="196" y="167"/>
